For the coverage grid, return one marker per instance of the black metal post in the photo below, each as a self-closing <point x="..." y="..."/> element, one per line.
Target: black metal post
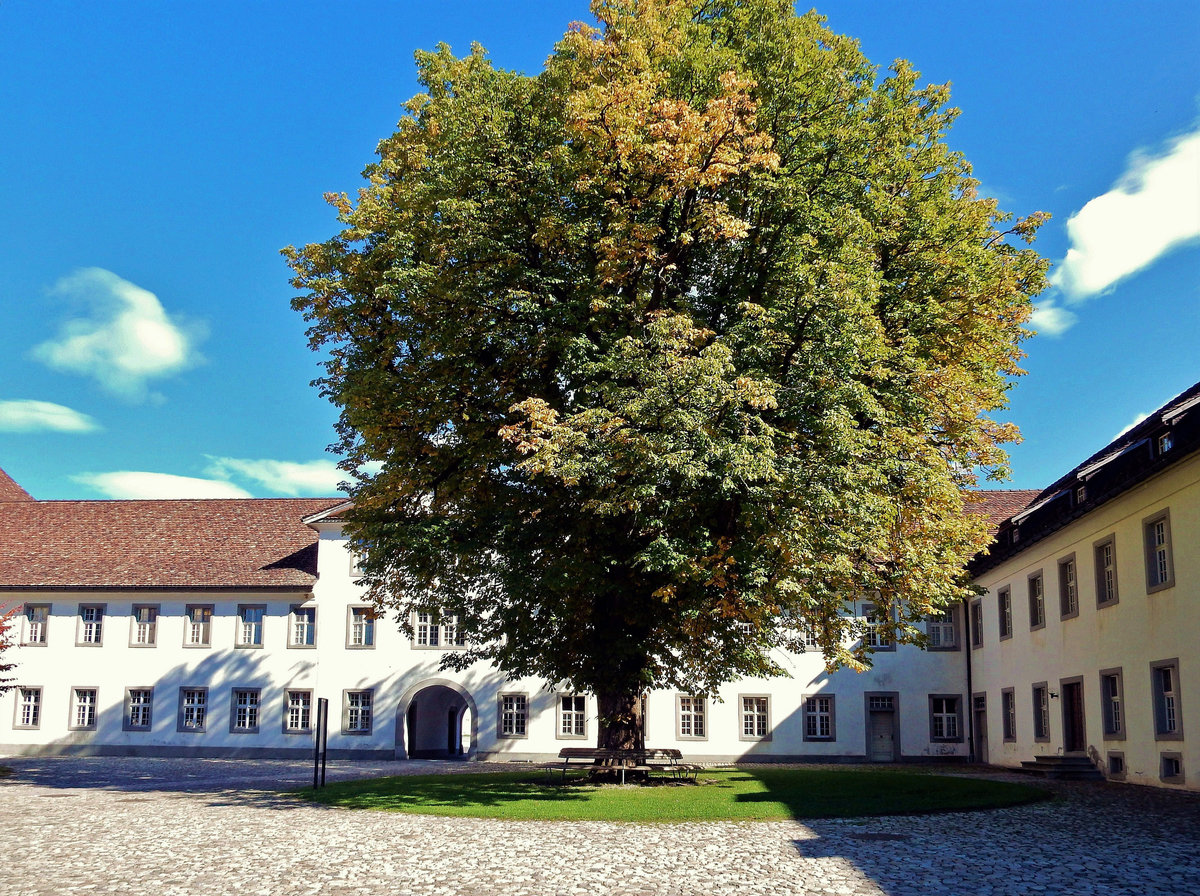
<point x="320" y="743"/>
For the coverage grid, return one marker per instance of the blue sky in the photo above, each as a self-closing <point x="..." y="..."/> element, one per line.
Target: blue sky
<point x="156" y="156"/>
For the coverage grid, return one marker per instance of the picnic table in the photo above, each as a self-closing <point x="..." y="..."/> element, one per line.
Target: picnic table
<point x="645" y="760"/>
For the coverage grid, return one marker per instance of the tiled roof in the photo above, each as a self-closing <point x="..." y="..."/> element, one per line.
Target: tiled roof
<point x="10" y="491"/>
<point x="214" y="543"/>
<point x="1000" y="504"/>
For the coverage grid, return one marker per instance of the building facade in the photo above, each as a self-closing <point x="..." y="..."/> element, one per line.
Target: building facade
<point x="213" y="628"/>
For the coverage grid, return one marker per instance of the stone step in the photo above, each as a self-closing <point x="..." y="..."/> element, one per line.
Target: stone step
<point x="1063" y="768"/>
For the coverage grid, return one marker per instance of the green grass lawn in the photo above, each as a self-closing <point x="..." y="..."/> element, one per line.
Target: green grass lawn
<point x="760" y="794"/>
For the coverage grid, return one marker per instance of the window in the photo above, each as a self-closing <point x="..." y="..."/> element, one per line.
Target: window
<point x="809" y="634"/>
<point x="514" y="715"/>
<point x="145" y="626"/>
<point x="1116" y="765"/>
<point x="29" y="708"/>
<point x="250" y="625"/>
<point x="690" y="714"/>
<point x="1041" y="711"/>
<point x="83" y="709"/>
<point x="1111" y="697"/>
<point x="138" y="705"/>
<point x="1080" y="494"/>
<point x="941" y="631"/>
<point x="945" y="717"/>
<point x="433" y="630"/>
<point x="1068" y="587"/>
<point x="356" y="712"/>
<point x="1037" y="602"/>
<point x="91" y="625"/>
<point x="1164" y="676"/>
<point x="297" y="715"/>
<point x="198" y="630"/>
<point x="977" y="624"/>
<point x="360" y="631"/>
<point x="1008" y="706"/>
<point x="243" y="714"/>
<point x="874" y="637"/>
<point x="1165" y="443"/>
<point x="304" y="627"/>
<point x="193" y="709"/>
<point x="1004" y="605"/>
<point x="1106" y="571"/>
<point x="1160" y="571"/>
<point x="1172" y="767"/>
<point x="756" y="717"/>
<point x="37" y="618"/>
<point x="818" y="718"/>
<point x="572" y="716"/>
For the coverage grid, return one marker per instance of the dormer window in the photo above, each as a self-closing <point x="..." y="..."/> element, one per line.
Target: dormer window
<point x="1016" y="534"/>
<point x="1080" y="494"/>
<point x="1164" y="443"/>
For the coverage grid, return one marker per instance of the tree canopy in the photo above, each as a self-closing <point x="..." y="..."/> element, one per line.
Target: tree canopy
<point x="650" y="361"/>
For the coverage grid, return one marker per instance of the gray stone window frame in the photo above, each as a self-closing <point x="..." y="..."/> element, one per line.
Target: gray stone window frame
<point x="180" y="728"/>
<point x="238" y="642"/>
<point x="1103" y="597"/>
<point x="19" y="702"/>
<point x="953" y="613"/>
<point x="360" y="731"/>
<point x="1112" y="728"/>
<point x="1170" y="768"/>
<point x="369" y="627"/>
<point x="1004" y="612"/>
<point x="869" y="633"/>
<point x="1040" y="692"/>
<point x="1115" y="765"/>
<point x="1035" y="584"/>
<point x="82" y="626"/>
<point x="559" y="734"/>
<point x="742" y="714"/>
<point x="74" y="703"/>
<point x="27" y="624"/>
<point x="234" y="728"/>
<point x="156" y="609"/>
<point x="127" y="714"/>
<point x="702" y="714"/>
<point x="439" y="630"/>
<point x="958" y="724"/>
<point x="188" y="622"/>
<point x="287" y="706"/>
<point x="976" y="624"/>
<point x="294" y="612"/>
<point x="1008" y="714"/>
<point x="1064" y="608"/>
<point x="820" y="738"/>
<point x="522" y="715"/>
<point x="1153" y="585"/>
<point x="1158" y="699"/>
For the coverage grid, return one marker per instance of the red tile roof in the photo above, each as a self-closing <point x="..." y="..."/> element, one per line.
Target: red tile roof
<point x="10" y="491"/>
<point x="1000" y="504"/>
<point x="196" y="544"/>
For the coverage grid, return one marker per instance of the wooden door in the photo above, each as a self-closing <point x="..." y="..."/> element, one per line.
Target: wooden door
<point x="1073" y="733"/>
<point x="883" y="736"/>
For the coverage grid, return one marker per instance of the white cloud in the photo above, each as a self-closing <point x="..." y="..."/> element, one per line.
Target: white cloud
<point x="123" y="337"/>
<point x="133" y="484"/>
<point x="1050" y="319"/>
<point x="1152" y="209"/>
<point x="27" y="415"/>
<point x="319" y="477"/>
<point x="1136" y="420"/>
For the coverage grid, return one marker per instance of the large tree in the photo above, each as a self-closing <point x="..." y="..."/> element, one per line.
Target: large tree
<point x="648" y="362"/>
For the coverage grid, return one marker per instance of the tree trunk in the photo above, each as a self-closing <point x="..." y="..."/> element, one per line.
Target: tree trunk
<point x="621" y="723"/>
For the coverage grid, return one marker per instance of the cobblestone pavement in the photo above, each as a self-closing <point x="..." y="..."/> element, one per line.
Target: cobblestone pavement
<point x="173" y="827"/>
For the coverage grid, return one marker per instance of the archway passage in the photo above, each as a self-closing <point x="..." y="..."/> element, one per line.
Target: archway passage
<point x="438" y="723"/>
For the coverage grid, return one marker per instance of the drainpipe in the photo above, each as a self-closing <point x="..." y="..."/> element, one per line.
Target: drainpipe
<point x="969" y="708"/>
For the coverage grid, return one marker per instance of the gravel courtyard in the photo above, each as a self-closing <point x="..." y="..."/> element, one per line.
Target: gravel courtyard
<point x="196" y="827"/>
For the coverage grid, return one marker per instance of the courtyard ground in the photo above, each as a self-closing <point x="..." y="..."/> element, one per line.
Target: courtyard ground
<point x="199" y="827"/>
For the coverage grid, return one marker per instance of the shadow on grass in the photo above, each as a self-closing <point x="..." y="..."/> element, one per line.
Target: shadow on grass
<point x="437" y="793"/>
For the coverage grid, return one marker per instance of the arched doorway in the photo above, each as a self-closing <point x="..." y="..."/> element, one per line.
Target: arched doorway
<point x="436" y="719"/>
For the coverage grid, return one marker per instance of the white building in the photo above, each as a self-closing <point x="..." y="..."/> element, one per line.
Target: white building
<point x="212" y="627"/>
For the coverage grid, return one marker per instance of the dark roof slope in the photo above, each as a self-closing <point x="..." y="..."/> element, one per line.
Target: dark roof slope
<point x="195" y="544"/>
<point x="1164" y="438"/>
<point x="1000" y="504"/>
<point x="10" y="491"/>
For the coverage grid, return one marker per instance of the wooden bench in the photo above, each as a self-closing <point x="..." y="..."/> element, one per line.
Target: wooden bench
<point x="647" y="760"/>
